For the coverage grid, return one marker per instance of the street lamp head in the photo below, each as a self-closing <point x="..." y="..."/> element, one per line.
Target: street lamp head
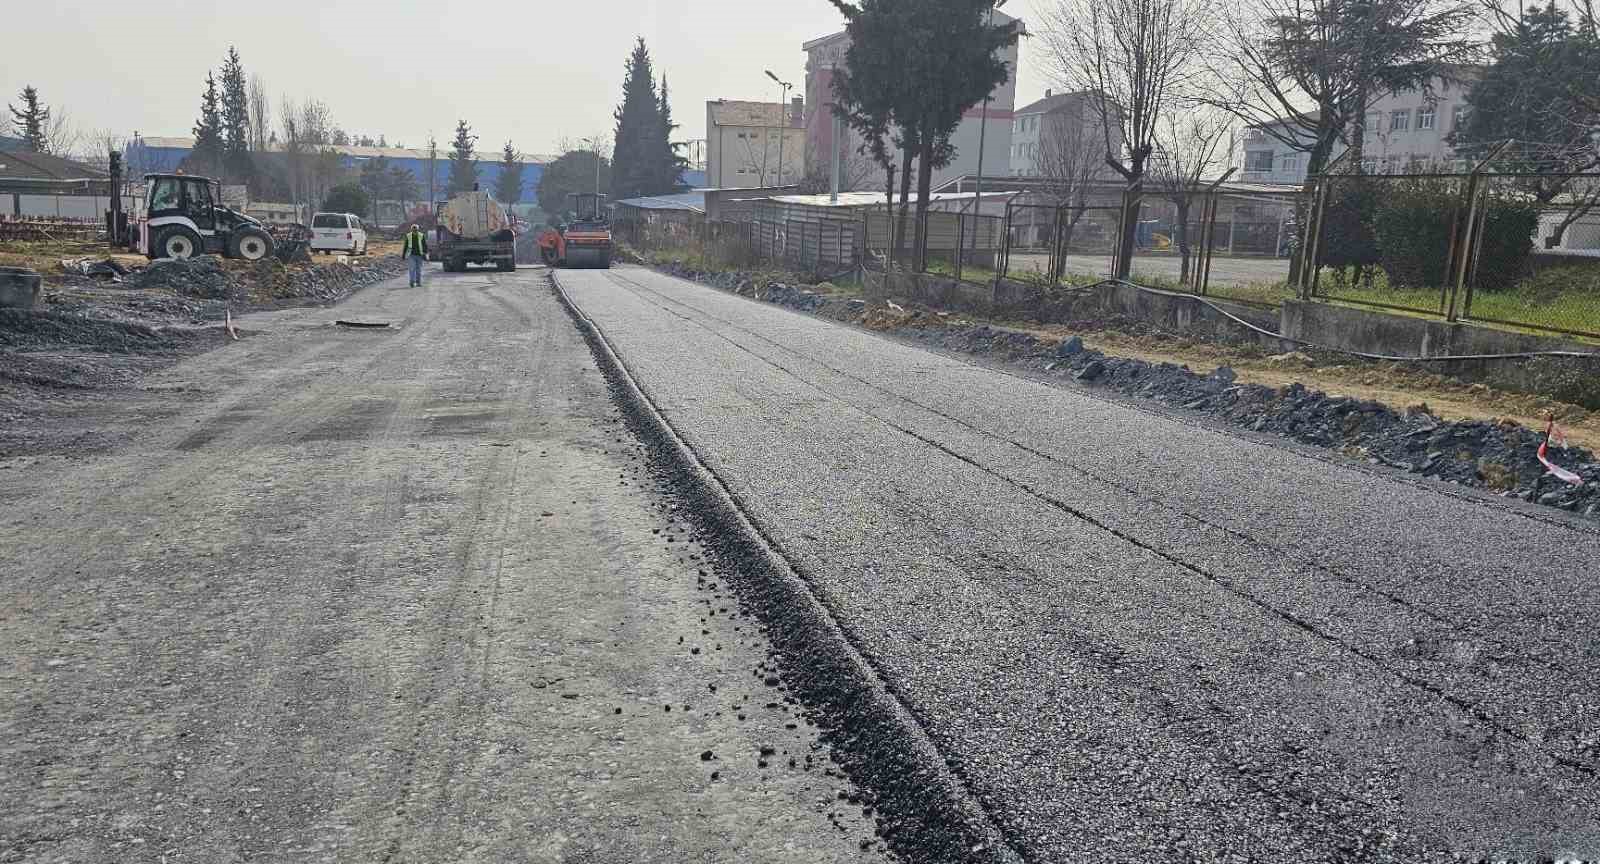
<point x="781" y="82"/>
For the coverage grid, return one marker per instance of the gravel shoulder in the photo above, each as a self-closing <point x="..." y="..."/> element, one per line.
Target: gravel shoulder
<point x="1135" y="636"/>
<point x="410" y="594"/>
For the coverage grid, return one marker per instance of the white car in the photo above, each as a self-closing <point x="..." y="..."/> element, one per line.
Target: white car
<point x="338" y="232"/>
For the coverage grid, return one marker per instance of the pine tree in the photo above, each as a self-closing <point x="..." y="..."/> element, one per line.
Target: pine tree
<point x="208" y="146"/>
<point x="638" y="119"/>
<point x="508" y="186"/>
<point x="463" y="170"/>
<point x="235" y="118"/>
<point x="669" y="176"/>
<point x="33" y="120"/>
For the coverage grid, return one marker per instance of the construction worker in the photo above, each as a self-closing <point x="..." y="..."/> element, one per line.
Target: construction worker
<point x="415" y="251"/>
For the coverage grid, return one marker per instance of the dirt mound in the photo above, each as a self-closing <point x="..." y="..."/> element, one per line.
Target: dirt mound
<point x="202" y="277"/>
<point x="29" y="330"/>
<point x="267" y="281"/>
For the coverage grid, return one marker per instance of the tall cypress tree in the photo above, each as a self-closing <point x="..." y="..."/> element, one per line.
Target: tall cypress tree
<point x="33" y="120"/>
<point x="508" y="185"/>
<point x="208" y="145"/>
<point x="235" y="118"/>
<point x="672" y="164"/>
<point x="633" y="170"/>
<point x="463" y="170"/>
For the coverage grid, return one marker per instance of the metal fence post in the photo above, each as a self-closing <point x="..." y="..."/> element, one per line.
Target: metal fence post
<point x="961" y="242"/>
<point x="1309" y="242"/>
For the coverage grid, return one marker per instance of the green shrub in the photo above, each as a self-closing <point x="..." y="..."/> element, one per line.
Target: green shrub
<point x="1347" y="235"/>
<point x="1411" y="221"/>
<point x="1506" y="244"/>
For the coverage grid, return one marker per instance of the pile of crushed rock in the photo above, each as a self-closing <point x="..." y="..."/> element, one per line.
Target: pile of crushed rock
<point x="206" y="277"/>
<point x="1501" y="456"/>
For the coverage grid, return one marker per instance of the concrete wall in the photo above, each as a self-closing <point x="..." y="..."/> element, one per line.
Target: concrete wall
<point x="1338" y="327"/>
<point x="61" y="206"/>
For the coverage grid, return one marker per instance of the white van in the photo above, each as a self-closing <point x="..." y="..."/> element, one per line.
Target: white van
<point x="338" y="232"/>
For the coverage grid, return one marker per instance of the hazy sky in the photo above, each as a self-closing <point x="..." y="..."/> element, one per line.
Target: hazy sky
<point x="533" y="71"/>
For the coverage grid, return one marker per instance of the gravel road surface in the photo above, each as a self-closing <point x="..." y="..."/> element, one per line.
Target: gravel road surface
<point x="1135" y="636"/>
<point x="405" y="594"/>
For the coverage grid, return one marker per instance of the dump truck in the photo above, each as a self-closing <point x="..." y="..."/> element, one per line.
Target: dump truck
<point x="472" y="228"/>
<point x="585" y="241"/>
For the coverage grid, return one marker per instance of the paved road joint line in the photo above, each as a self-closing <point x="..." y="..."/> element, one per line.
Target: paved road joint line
<point x="935" y="816"/>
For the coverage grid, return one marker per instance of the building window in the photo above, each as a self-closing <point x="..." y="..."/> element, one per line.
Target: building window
<point x="1425" y="117"/>
<point x="1400" y="121"/>
<point x="1457" y="114"/>
<point x="1291" y="164"/>
<point x="1258" y="160"/>
<point x="1374" y="124"/>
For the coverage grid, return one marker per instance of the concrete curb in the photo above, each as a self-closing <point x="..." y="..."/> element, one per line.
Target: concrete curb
<point x="926" y="812"/>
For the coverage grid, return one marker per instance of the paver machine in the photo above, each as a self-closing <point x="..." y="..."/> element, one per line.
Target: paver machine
<point x="583" y="242"/>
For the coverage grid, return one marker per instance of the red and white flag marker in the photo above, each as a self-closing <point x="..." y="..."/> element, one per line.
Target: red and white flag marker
<point x="1553" y="433"/>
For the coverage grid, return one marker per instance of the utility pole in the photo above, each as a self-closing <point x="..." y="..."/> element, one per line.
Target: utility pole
<point x="433" y="156"/>
<point x="783" y="131"/>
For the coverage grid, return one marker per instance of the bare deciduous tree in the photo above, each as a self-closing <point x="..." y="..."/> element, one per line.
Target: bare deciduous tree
<point x="1190" y="148"/>
<point x="99" y="145"/>
<point x="1129" y="54"/>
<point x="1071" y="158"/>
<point x="856" y="171"/>
<point x="62" y="137"/>
<point x="1304" y="72"/>
<point x="260" y="107"/>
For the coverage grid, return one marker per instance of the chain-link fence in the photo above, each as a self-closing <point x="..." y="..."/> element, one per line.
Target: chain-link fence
<point x="1551" y="283"/>
<point x="1489" y="243"/>
<point x="1507" y="247"/>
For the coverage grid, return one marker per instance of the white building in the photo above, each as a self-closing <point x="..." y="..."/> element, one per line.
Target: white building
<point x="1040" y="125"/>
<point x="993" y="137"/>
<point x="754" y="144"/>
<point x="1405" y="131"/>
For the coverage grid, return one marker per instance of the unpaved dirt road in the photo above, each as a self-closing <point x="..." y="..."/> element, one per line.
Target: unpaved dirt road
<point x="397" y="595"/>
<point x="1135" y="636"/>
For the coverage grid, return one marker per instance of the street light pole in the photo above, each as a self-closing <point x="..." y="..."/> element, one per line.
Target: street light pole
<point x="594" y="146"/>
<point x="783" y="130"/>
<point x="983" y="129"/>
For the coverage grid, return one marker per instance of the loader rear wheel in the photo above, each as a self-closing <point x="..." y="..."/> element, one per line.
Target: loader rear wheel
<point x="250" y="245"/>
<point x="176" y="241"/>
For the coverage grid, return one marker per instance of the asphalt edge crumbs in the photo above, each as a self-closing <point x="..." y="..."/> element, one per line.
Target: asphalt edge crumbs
<point x="927" y="813"/>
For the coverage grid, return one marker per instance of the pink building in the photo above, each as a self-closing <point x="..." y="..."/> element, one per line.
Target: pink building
<point x="825" y="55"/>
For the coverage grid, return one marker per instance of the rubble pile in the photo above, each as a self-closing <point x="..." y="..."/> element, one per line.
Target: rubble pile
<point x="1500" y="456"/>
<point x="201" y="277"/>
<point x="208" y="277"/>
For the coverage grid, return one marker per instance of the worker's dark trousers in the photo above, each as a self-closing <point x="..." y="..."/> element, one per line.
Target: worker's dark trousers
<point x="416" y="270"/>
